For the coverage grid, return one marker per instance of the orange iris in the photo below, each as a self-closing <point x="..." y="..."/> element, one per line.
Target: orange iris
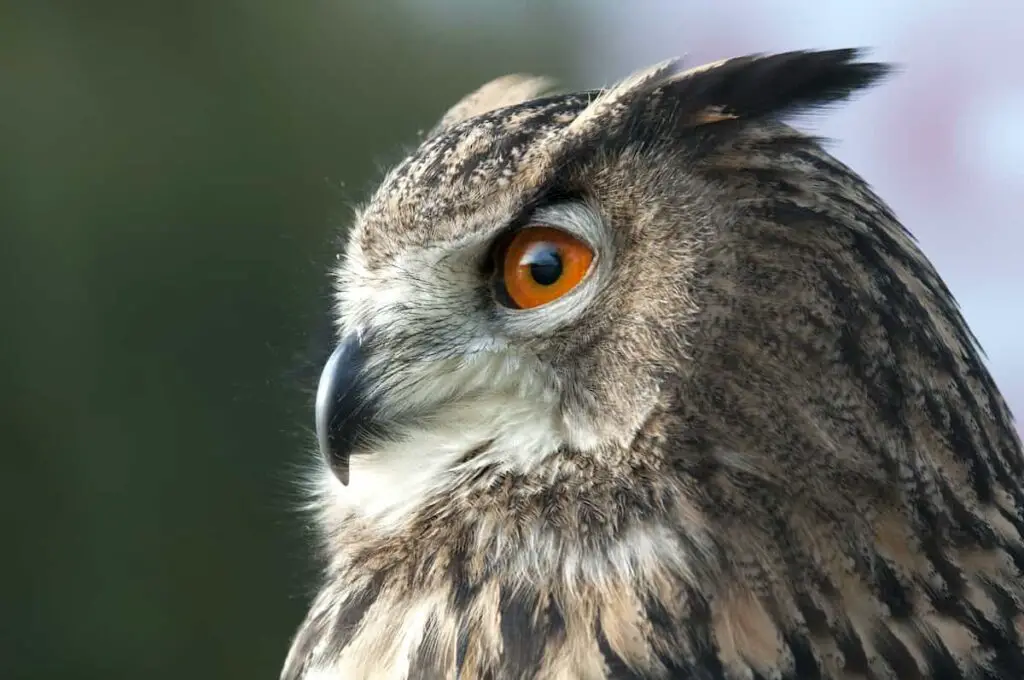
<point x="542" y="264"/>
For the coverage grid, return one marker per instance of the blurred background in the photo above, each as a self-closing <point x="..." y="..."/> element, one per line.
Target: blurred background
<point x="173" y="180"/>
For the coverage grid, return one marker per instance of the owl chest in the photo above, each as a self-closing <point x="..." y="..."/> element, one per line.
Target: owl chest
<point x="526" y="604"/>
<point x="517" y="633"/>
<point x="578" y="618"/>
<point x="544" y="629"/>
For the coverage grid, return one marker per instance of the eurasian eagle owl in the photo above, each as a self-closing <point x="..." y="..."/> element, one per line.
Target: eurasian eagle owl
<point x="643" y="383"/>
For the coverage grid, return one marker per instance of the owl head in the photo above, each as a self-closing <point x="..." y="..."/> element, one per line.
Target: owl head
<point x="540" y="274"/>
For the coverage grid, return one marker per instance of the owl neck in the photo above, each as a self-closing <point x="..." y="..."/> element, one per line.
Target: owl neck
<point x="537" y="574"/>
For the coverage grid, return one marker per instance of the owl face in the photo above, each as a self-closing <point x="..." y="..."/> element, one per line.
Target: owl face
<point x="531" y="332"/>
<point x="524" y="285"/>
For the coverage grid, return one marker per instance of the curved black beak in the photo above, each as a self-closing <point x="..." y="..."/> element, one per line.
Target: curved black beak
<point x="343" y="411"/>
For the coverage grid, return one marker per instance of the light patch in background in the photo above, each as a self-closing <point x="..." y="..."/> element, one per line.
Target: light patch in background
<point x="995" y="314"/>
<point x="992" y="140"/>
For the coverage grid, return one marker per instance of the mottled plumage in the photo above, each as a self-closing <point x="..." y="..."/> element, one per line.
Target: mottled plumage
<point x="758" y="441"/>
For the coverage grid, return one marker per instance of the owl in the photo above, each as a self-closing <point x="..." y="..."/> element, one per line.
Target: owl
<point x="642" y="383"/>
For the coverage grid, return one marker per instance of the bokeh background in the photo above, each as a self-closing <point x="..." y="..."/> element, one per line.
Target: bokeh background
<point x="173" y="180"/>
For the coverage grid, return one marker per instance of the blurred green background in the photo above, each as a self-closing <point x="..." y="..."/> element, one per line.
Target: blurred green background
<point x="173" y="180"/>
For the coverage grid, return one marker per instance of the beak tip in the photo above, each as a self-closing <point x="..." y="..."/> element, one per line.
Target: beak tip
<point x="338" y="400"/>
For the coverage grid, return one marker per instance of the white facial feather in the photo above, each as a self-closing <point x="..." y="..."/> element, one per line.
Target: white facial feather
<point x="390" y="482"/>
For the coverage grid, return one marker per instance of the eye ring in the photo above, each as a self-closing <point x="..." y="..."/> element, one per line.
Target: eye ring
<point x="539" y="264"/>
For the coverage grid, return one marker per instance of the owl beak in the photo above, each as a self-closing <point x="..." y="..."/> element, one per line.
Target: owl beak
<point x="344" y="412"/>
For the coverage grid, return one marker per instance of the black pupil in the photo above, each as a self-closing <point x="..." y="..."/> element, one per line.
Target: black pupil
<point x="545" y="264"/>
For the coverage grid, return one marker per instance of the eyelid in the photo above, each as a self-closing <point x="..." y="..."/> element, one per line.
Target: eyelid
<point x="574" y="217"/>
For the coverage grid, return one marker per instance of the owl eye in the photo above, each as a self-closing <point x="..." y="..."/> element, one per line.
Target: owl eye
<point x="541" y="264"/>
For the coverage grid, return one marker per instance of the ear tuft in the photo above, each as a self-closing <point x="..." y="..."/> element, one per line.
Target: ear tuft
<point x="505" y="91"/>
<point x="743" y="88"/>
<point x="770" y="85"/>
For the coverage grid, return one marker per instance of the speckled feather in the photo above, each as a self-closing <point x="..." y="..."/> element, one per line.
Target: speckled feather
<point x="802" y="469"/>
